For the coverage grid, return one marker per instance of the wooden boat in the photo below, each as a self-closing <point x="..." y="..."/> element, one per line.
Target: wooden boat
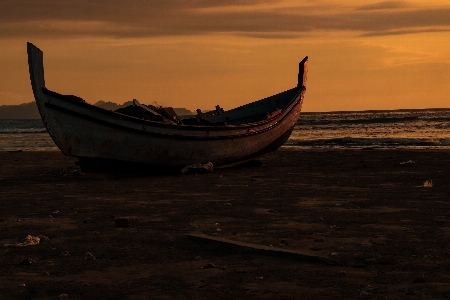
<point x="224" y="138"/>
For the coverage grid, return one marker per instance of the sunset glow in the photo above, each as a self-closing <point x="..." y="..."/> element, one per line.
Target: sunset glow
<point x="197" y="54"/>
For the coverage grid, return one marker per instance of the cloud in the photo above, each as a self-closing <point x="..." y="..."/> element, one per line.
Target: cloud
<point x="384" y="5"/>
<point x="405" y="31"/>
<point x="263" y="19"/>
<point x="405" y="21"/>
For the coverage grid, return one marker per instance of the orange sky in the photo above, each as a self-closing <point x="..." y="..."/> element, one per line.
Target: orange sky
<point x="200" y="53"/>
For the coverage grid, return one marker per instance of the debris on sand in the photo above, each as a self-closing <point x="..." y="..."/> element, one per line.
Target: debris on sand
<point x="28" y="241"/>
<point x="428" y="183"/>
<point x="198" y="168"/>
<point x="409" y="162"/>
<point x="89" y="256"/>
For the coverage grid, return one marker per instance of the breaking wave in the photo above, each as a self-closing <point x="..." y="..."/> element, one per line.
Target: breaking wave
<point x="375" y="117"/>
<point x="21" y="126"/>
<point x="356" y="121"/>
<point x="22" y="130"/>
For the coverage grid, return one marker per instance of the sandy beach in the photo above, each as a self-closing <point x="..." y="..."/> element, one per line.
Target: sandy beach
<point x="342" y="224"/>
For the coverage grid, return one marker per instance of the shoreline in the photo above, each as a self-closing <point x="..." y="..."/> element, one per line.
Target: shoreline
<point x="361" y="208"/>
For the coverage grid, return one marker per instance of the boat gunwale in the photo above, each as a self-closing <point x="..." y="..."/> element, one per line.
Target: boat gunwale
<point x="139" y="121"/>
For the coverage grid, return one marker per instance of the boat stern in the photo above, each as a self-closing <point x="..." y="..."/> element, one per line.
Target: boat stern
<point x="303" y="72"/>
<point x="36" y="67"/>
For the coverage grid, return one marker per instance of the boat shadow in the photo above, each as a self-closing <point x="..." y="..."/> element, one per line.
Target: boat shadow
<point x="119" y="168"/>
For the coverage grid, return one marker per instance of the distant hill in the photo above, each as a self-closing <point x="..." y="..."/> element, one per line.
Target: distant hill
<point x="30" y="111"/>
<point x="21" y="111"/>
<point x="113" y="106"/>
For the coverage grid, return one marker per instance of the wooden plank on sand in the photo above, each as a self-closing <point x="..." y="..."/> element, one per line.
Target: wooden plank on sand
<point x="264" y="250"/>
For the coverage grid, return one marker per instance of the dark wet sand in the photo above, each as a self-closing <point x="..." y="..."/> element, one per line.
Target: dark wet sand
<point x="362" y="209"/>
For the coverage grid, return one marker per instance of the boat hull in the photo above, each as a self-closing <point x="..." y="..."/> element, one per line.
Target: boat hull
<point x="89" y="132"/>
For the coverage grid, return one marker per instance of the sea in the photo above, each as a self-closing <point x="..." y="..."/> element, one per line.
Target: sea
<point x="418" y="128"/>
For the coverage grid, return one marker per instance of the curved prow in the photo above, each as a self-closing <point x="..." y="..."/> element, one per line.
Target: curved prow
<point x="36" y="67"/>
<point x="303" y="72"/>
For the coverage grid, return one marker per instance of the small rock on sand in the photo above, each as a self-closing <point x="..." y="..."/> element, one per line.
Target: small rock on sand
<point x="126" y="221"/>
<point x="419" y="279"/>
<point x="27" y="261"/>
<point x="89" y="256"/>
<point x="209" y="266"/>
<point x="198" y="168"/>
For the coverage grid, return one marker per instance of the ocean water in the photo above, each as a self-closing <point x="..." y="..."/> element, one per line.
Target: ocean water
<point x="428" y="128"/>
<point x="25" y="135"/>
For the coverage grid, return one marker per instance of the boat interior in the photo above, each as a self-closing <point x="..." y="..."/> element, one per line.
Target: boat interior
<point x="249" y="113"/>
